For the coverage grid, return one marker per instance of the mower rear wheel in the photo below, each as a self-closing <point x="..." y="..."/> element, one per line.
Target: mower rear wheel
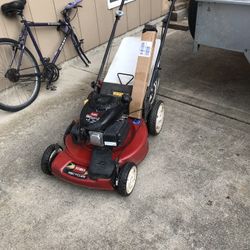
<point x="48" y="156"/>
<point x="156" y="118"/>
<point x="127" y="179"/>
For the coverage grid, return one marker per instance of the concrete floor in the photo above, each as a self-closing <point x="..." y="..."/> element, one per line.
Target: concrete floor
<point x="193" y="190"/>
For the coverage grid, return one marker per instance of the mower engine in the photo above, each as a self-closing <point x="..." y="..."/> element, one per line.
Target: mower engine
<point x="113" y="136"/>
<point x="103" y="121"/>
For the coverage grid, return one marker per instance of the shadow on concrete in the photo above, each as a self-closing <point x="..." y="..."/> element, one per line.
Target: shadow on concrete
<point x="213" y="79"/>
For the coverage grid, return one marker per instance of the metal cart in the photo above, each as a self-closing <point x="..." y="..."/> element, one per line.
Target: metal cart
<point x="221" y="24"/>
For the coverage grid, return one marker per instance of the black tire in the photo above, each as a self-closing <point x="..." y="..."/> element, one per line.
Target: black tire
<point x="154" y="123"/>
<point x="22" y="91"/>
<point x="48" y="156"/>
<point x="123" y="188"/>
<point x="192" y="15"/>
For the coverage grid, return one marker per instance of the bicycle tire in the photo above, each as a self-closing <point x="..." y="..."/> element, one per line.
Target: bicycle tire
<point x="23" y="85"/>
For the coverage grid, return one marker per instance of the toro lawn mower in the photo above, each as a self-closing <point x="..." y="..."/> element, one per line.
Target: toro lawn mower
<point x="103" y="147"/>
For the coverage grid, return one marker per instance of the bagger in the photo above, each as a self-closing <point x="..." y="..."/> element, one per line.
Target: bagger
<point x="103" y="147"/>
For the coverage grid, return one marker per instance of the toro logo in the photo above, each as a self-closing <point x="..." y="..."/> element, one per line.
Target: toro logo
<point x="94" y="114"/>
<point x="79" y="170"/>
<point x="92" y="117"/>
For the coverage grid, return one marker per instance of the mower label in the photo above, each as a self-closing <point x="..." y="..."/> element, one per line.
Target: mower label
<point x="94" y="114"/>
<point x="92" y="117"/>
<point x="76" y="171"/>
<point x="145" y="49"/>
<point x="80" y="176"/>
<point x="110" y="144"/>
<point x="119" y="94"/>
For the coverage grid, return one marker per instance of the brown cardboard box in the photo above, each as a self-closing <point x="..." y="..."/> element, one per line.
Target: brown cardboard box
<point x="142" y="73"/>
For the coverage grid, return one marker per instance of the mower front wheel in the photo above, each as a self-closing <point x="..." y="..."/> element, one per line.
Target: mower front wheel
<point x="48" y="156"/>
<point x="156" y="118"/>
<point x="127" y="179"/>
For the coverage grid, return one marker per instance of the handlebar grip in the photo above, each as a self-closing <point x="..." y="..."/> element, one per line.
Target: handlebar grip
<point x="73" y="4"/>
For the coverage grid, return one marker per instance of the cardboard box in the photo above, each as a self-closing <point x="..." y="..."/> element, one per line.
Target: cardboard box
<point x="142" y="73"/>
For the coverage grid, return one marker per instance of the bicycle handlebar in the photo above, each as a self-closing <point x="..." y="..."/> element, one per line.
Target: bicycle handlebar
<point x="72" y="5"/>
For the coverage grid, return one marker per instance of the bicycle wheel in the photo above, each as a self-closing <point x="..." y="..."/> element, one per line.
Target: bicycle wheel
<point x="19" y="86"/>
<point x="79" y="50"/>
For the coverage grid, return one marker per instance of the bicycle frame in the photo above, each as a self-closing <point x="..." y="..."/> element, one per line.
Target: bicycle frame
<point x="26" y="31"/>
<point x="28" y="73"/>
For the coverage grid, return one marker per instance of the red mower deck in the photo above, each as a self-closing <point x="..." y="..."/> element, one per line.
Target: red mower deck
<point x="134" y="150"/>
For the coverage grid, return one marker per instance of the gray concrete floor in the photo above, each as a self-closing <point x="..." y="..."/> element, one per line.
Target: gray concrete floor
<point x="193" y="190"/>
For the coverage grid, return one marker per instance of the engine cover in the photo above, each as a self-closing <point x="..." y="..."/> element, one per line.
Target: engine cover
<point x="115" y="134"/>
<point x="103" y="120"/>
<point x="101" y="111"/>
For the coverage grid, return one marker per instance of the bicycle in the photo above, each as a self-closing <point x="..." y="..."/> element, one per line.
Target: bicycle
<point x="20" y="74"/>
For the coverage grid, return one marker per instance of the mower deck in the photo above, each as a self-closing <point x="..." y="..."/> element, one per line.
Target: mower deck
<point x="72" y="164"/>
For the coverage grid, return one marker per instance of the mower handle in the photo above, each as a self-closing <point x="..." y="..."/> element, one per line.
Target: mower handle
<point x="122" y="4"/>
<point x="119" y="14"/>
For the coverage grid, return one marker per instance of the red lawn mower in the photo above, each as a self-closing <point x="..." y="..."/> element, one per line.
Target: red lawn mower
<point x="103" y="147"/>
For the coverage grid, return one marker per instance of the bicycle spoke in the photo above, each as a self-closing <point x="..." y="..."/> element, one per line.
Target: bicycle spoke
<point x="15" y="90"/>
<point x="23" y="93"/>
<point x="13" y="58"/>
<point x="18" y="94"/>
<point x="4" y="92"/>
<point x="16" y="84"/>
<point x="3" y="60"/>
<point x="21" y="86"/>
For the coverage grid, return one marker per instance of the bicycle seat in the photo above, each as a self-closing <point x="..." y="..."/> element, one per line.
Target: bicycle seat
<point x="13" y="8"/>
